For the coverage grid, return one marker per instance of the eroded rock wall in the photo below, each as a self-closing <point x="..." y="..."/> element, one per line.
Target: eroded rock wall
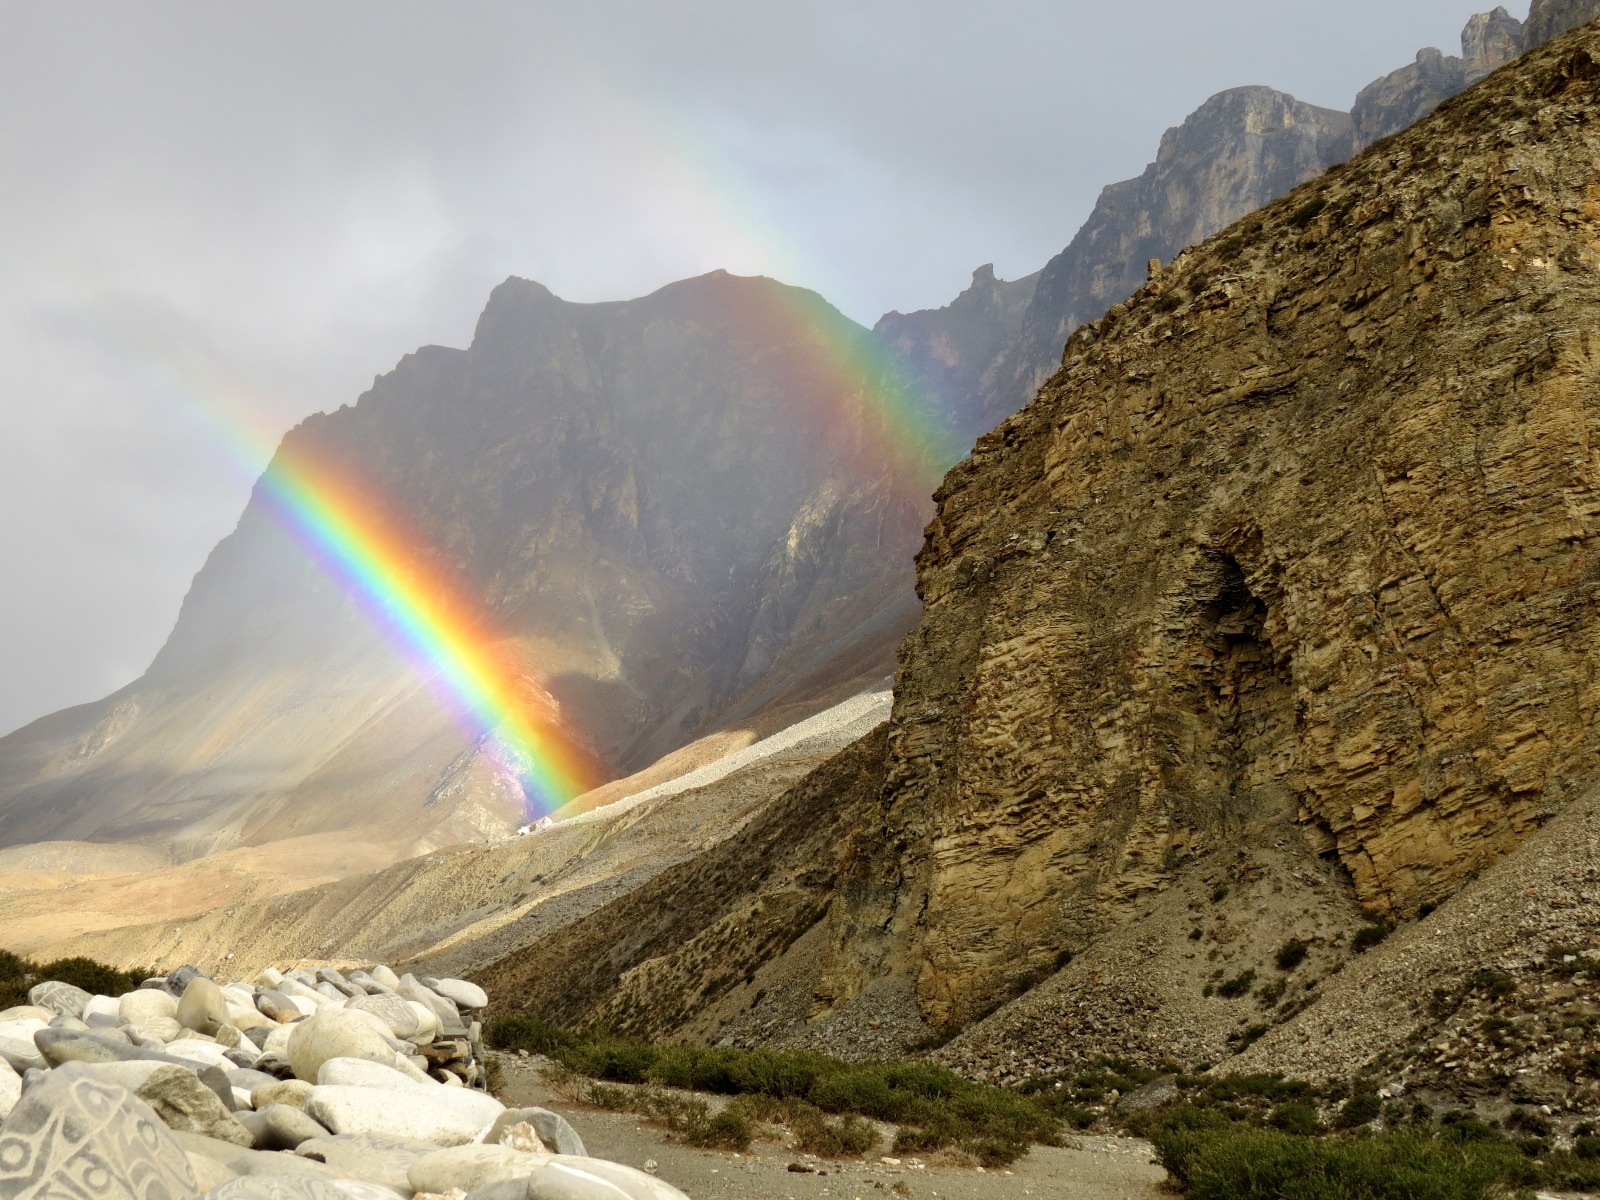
<point x="1304" y="530"/>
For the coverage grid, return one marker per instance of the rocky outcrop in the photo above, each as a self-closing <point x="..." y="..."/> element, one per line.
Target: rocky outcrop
<point x="1302" y="533"/>
<point x="1236" y="152"/>
<point x="1388" y="105"/>
<point x="1551" y="18"/>
<point x="675" y="510"/>
<point x="946" y="353"/>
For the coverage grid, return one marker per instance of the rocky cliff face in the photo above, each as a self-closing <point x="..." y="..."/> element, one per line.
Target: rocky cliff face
<point x="1551" y="18"/>
<point x="676" y="509"/>
<point x="1302" y="533"/>
<point x="1388" y="105"/>
<point x="1238" y="151"/>
<point x="948" y="354"/>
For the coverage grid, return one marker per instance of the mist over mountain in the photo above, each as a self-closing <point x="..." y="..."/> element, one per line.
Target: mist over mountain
<point x="675" y="510"/>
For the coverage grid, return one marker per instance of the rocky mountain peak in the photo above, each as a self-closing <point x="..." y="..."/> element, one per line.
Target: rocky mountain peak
<point x="1549" y="19"/>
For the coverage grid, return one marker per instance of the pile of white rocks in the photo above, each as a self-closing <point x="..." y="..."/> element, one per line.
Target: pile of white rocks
<point x="297" y="1085"/>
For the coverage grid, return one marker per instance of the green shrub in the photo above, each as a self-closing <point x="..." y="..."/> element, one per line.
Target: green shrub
<point x="1291" y="954"/>
<point x="1360" y="1109"/>
<point x="1307" y="212"/>
<point x="1496" y="984"/>
<point x="530" y="1034"/>
<point x="933" y="1106"/>
<point x="1239" y="985"/>
<point x="1296" y="1117"/>
<point x="1369" y="936"/>
<point x="847" y="1135"/>
<point x="1211" y="1161"/>
<point x="18" y="974"/>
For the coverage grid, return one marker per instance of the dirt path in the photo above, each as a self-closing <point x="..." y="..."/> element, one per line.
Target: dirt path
<point x="1092" y="1168"/>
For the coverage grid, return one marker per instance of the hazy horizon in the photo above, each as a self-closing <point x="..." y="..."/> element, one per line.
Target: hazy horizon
<point x="239" y="216"/>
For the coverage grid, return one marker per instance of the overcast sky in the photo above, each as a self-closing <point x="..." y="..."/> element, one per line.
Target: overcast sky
<point x="301" y="192"/>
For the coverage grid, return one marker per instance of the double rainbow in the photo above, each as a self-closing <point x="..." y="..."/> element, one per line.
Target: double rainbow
<point x="871" y="413"/>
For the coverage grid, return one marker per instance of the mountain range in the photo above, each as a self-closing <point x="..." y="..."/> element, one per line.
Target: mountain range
<point x="692" y="519"/>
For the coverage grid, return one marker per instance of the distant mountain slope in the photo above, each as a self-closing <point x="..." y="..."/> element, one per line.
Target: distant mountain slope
<point x="1238" y="151"/>
<point x="676" y="510"/>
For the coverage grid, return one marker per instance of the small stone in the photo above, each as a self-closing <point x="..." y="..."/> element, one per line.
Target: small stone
<point x="372" y="1158"/>
<point x="338" y="1033"/>
<point x="10" y="1089"/>
<point x="553" y="1129"/>
<point x="249" y="1079"/>
<point x="268" y="977"/>
<point x="176" y="1094"/>
<point x="462" y="993"/>
<point x="337" y="980"/>
<point x="17" y="1046"/>
<point x="277" y="1188"/>
<point x="292" y="1092"/>
<point x="205" y="1053"/>
<point x="73" y="1045"/>
<point x="400" y="1015"/>
<point x="386" y="977"/>
<point x="146" y="1005"/>
<point x="103" y="1008"/>
<point x="27" y="1012"/>
<point x="208" y="1172"/>
<point x="443" y="1116"/>
<point x="278" y="1164"/>
<point x="180" y="979"/>
<point x="203" y="1007"/>
<point x="471" y="1167"/>
<point x="364" y="1072"/>
<point x="74" y="1128"/>
<point x="449" y="1016"/>
<point x="275" y="1064"/>
<point x="156" y="1029"/>
<point x="281" y="1127"/>
<point x="575" y="1178"/>
<point x="60" y="998"/>
<point x="368" y="984"/>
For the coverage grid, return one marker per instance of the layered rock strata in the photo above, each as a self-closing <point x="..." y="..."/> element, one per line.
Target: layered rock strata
<point x="1302" y="531"/>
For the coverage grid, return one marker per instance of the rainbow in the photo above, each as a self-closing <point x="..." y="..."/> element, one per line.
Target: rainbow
<point x="344" y="525"/>
<point x="347" y="529"/>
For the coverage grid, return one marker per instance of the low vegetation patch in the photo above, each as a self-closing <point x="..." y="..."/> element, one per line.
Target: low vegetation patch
<point x="1369" y="936"/>
<point x="1263" y="1137"/>
<point x="933" y="1108"/>
<point x="18" y="974"/>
